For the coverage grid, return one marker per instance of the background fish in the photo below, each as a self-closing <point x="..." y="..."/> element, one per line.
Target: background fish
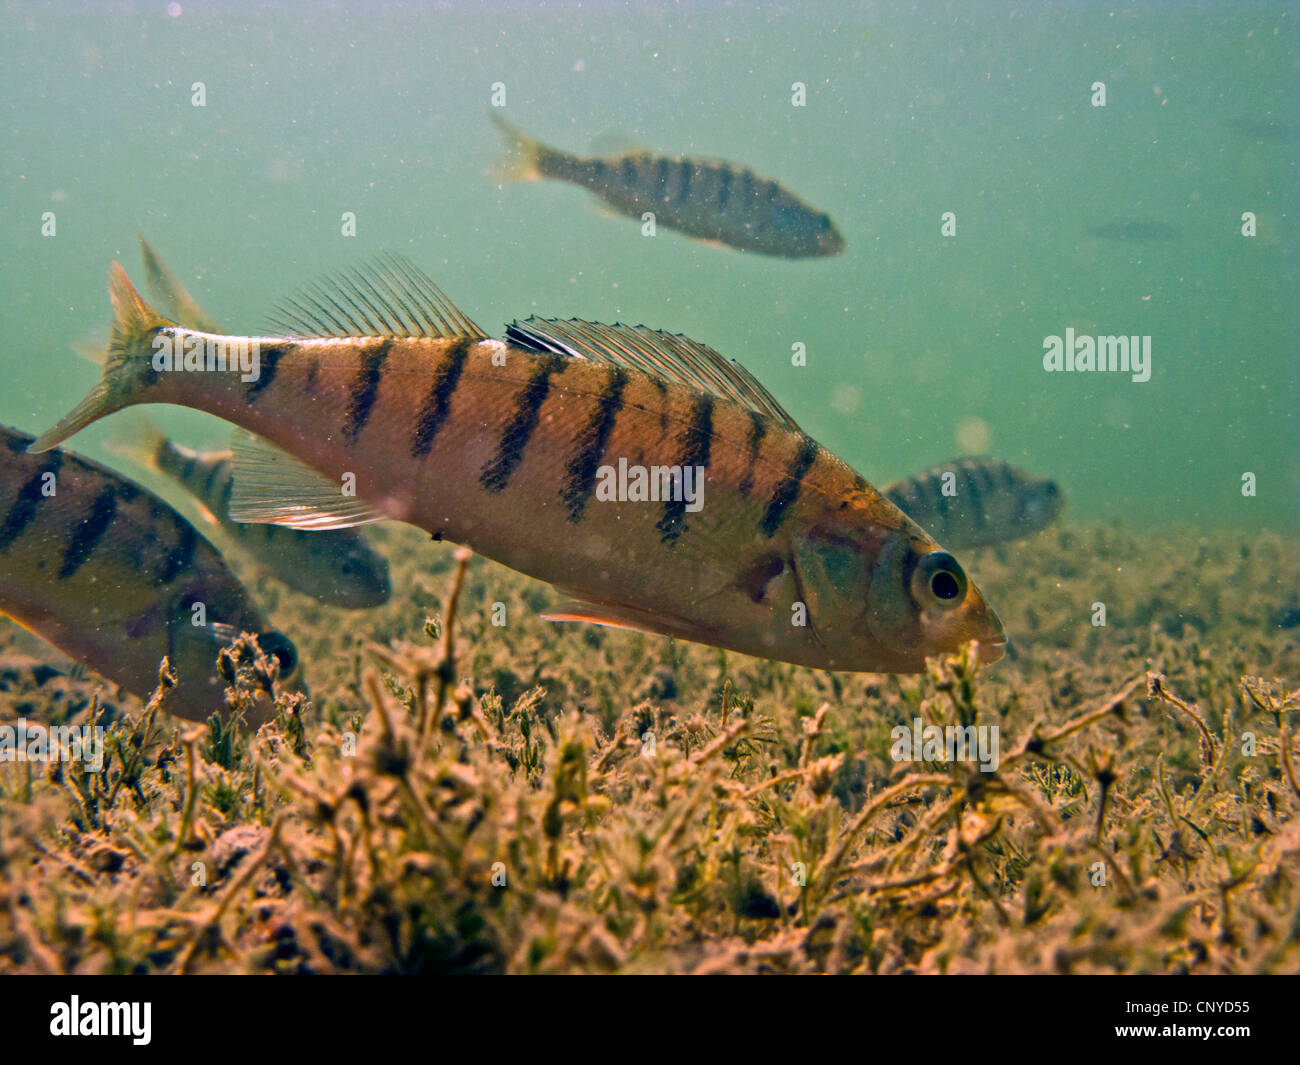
<point x="499" y="445"/>
<point x="712" y="201"/>
<point x="109" y="573"/>
<point x="992" y="502"/>
<point x="335" y="566"/>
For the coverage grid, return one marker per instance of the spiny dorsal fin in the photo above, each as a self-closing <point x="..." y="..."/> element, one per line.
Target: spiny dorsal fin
<point x="670" y="355"/>
<point x="387" y="297"/>
<point x="271" y="487"/>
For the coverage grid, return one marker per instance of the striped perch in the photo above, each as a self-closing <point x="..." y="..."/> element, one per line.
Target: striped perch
<point x="108" y="573"/>
<point x="715" y="202"/>
<point x="507" y="446"/>
<point x="977" y="502"/>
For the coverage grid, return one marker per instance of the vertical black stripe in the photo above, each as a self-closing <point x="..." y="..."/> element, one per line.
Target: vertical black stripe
<point x="684" y="184"/>
<point x="166" y="456"/>
<point x="269" y="356"/>
<point x="92" y="529"/>
<point x="180" y="558"/>
<point x="1019" y="493"/>
<point x="696" y="443"/>
<point x="628" y="169"/>
<point x="757" y="430"/>
<point x="582" y="467"/>
<point x="433" y="411"/>
<point x="664" y="404"/>
<point x="28" y="499"/>
<point x="214" y="467"/>
<point x="365" y="387"/>
<point x="724" y="187"/>
<point x="661" y="179"/>
<point x="787" y="491"/>
<point x="918" y="505"/>
<point x="944" y="500"/>
<point x="518" y="430"/>
<point x="747" y="185"/>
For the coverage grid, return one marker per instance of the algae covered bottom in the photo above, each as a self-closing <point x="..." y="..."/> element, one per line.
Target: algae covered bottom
<point x="589" y="800"/>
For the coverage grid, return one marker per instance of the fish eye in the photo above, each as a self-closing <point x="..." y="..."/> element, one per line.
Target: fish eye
<point x="939" y="580"/>
<point x="281" y="648"/>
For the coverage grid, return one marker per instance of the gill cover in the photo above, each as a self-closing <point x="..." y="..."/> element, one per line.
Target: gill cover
<point x="831" y="570"/>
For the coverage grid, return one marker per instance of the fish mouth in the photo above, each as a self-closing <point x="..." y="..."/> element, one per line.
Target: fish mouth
<point x="990" y="651"/>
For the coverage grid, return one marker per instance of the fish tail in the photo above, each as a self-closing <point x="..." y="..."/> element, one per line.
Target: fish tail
<point x="139" y="439"/>
<point x="519" y="160"/>
<point x="127" y="363"/>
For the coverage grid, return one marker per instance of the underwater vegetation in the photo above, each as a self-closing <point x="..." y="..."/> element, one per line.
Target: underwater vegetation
<point x="588" y="800"/>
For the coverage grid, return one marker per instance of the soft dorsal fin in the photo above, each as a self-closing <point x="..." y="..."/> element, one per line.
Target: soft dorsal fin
<point x="652" y="351"/>
<point x="387" y="297"/>
<point x="271" y="487"/>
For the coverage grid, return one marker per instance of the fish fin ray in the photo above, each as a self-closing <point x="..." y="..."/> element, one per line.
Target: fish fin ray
<point x="271" y="487"/>
<point x="667" y="355"/>
<point x="518" y="159"/>
<point x="623" y="616"/>
<point x="93" y="347"/>
<point x="170" y="295"/>
<point x="126" y="364"/>
<point x="385" y="297"/>
<point x="137" y="438"/>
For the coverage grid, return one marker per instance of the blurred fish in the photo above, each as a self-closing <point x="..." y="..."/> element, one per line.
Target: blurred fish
<point x="564" y="452"/>
<point x="711" y="201"/>
<point x="985" y="502"/>
<point x="109" y="574"/>
<point x="1136" y="232"/>
<point x="337" y="567"/>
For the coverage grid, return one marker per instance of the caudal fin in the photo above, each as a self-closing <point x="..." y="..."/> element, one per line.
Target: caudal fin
<point x="125" y="366"/>
<point x="518" y="162"/>
<point x="138" y="438"/>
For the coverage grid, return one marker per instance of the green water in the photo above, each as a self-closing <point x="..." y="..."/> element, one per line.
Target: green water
<point x="917" y="343"/>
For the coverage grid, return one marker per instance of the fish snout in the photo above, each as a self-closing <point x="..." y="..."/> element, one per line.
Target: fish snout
<point x="984" y="628"/>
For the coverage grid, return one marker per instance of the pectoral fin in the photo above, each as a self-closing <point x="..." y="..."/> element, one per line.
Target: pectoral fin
<point x="623" y="616"/>
<point x="272" y="487"/>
